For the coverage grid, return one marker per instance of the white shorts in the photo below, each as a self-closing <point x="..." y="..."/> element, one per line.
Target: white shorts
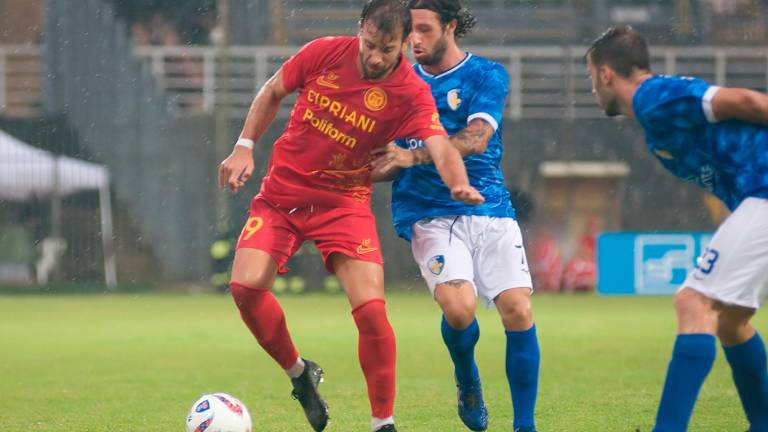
<point x="733" y="269"/>
<point x="486" y="251"/>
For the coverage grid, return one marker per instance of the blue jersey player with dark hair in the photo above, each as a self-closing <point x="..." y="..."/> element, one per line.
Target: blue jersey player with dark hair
<point x="716" y="137"/>
<point x="465" y="251"/>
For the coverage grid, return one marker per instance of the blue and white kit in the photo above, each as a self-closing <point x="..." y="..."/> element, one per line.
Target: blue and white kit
<point x="730" y="160"/>
<point x="452" y="240"/>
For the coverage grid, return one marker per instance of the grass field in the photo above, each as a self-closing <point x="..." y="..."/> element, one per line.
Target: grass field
<point x="136" y="363"/>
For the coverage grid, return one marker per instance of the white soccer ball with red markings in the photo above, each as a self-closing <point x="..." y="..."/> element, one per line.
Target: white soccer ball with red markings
<point x="218" y="412"/>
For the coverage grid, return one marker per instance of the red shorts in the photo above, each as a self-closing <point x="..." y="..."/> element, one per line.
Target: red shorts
<point x="280" y="233"/>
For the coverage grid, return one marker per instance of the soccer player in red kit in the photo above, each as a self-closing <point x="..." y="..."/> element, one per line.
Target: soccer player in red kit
<point x="354" y="94"/>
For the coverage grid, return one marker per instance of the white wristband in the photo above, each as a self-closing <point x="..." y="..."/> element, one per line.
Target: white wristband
<point x="245" y="142"/>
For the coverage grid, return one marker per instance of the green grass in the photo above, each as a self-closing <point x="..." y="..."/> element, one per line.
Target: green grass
<point x="136" y="363"/>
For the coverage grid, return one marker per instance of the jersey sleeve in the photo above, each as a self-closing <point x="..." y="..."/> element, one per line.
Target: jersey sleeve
<point x="422" y="119"/>
<point x="683" y="104"/>
<point x="305" y="62"/>
<point x="490" y="96"/>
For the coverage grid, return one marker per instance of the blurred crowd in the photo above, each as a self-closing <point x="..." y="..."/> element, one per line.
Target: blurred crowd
<point x="169" y="22"/>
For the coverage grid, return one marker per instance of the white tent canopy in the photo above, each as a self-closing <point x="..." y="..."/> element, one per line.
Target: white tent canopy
<point x="26" y="171"/>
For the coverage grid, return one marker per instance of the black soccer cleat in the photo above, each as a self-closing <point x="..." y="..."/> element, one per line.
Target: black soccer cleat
<point x="387" y="428"/>
<point x="305" y="391"/>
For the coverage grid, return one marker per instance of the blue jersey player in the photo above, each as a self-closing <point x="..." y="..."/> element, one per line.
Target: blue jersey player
<point x="716" y="137"/>
<point x="465" y="251"/>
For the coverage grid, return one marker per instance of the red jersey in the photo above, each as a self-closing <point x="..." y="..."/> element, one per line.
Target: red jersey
<point x="323" y="155"/>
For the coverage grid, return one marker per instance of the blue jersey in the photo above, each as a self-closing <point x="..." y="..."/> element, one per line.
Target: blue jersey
<point x="474" y="88"/>
<point x="729" y="158"/>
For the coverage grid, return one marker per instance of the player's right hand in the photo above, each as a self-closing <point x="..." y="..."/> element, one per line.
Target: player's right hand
<point x="236" y="169"/>
<point x="467" y="194"/>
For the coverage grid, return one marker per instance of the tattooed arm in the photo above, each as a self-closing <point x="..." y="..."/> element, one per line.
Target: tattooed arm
<point x="471" y="140"/>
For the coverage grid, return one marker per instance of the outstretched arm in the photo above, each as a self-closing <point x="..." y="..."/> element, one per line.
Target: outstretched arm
<point x="452" y="170"/>
<point x="740" y="104"/>
<point x="237" y="168"/>
<point x="391" y="159"/>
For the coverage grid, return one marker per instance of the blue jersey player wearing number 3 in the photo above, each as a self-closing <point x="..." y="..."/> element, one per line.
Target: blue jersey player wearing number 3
<point x="716" y="137"/>
<point x="465" y="251"/>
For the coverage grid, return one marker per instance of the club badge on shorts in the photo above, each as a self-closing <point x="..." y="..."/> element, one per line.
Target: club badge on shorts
<point x="436" y="264"/>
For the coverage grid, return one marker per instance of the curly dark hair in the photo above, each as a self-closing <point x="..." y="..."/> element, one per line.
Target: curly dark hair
<point x="448" y="10"/>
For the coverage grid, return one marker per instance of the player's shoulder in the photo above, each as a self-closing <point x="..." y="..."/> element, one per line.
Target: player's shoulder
<point x="659" y="90"/>
<point x="486" y="68"/>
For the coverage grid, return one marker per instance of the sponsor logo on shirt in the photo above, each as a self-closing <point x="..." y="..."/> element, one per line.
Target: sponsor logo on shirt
<point x="375" y="99"/>
<point x="341" y="111"/>
<point x="327" y="128"/>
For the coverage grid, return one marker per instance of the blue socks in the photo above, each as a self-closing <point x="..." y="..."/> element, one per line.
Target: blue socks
<point x="523" y="374"/>
<point x="692" y="359"/>
<point x="522" y="365"/>
<point x="748" y="366"/>
<point x="461" y="346"/>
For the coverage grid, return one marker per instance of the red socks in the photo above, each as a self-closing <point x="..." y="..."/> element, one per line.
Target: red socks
<point x="376" y="346"/>
<point x="376" y="349"/>
<point x="265" y="318"/>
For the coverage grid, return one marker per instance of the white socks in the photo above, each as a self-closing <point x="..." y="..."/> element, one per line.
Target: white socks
<point x="376" y="423"/>
<point x="297" y="368"/>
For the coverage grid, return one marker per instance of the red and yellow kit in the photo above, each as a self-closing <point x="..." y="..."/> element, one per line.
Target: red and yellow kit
<point x="320" y="165"/>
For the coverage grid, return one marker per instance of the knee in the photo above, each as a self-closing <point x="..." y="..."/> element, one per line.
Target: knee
<point x="690" y="304"/>
<point x="695" y="312"/>
<point x="517" y="315"/>
<point x="244" y="296"/>
<point x="459" y="315"/>
<point x="733" y="327"/>
<point x="728" y="333"/>
<point x="253" y="278"/>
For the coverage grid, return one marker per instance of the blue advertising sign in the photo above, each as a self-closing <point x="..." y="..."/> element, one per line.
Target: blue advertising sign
<point x="646" y="263"/>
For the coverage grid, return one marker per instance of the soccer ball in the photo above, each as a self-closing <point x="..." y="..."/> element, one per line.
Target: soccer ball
<point x="218" y="412"/>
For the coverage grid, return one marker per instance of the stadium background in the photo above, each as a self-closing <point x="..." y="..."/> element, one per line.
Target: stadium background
<point x="157" y="90"/>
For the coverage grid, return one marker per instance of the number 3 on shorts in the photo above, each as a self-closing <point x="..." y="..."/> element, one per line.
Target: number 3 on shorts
<point x="252" y="226"/>
<point x="707" y="261"/>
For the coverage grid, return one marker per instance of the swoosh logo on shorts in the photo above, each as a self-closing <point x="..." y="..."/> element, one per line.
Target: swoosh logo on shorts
<point x="365" y="247"/>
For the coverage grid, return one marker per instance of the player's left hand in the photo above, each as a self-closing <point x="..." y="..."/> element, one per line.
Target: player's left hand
<point x="391" y="157"/>
<point x="467" y="194"/>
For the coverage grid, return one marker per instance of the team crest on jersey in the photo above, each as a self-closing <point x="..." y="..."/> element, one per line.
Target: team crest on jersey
<point x="436" y="264"/>
<point x="454" y="100"/>
<point x="375" y="99"/>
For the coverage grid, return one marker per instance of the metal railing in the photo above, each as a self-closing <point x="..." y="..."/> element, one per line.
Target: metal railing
<point x="20" y="81"/>
<point x="546" y="82"/>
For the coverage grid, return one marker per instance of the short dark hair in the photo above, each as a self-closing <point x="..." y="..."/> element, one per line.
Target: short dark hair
<point x="388" y="16"/>
<point x="621" y="48"/>
<point x="448" y="10"/>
